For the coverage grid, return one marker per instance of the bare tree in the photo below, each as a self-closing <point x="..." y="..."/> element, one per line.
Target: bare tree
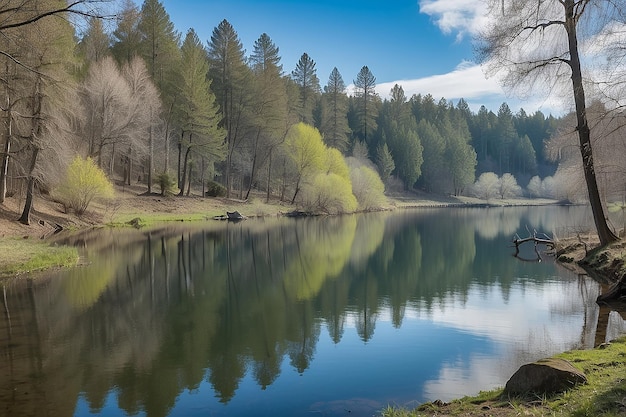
<point x="108" y="109"/>
<point x="146" y="115"/>
<point x="535" y="42"/>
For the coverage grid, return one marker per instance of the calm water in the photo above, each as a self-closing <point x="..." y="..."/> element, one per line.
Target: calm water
<point x="325" y="316"/>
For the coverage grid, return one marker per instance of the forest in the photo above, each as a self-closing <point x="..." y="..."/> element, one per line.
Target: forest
<point x="182" y="115"/>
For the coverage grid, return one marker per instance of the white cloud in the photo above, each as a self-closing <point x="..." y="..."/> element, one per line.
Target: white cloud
<point x="460" y="16"/>
<point x="468" y="81"/>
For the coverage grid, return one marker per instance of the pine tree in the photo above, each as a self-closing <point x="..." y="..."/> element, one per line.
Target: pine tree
<point x="366" y="104"/>
<point x="231" y="78"/>
<point x="334" y="124"/>
<point x="269" y="108"/>
<point x="305" y="76"/>
<point x="196" y="110"/>
<point x="126" y="36"/>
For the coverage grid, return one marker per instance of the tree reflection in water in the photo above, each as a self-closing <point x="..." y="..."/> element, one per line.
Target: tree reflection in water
<point x="167" y="310"/>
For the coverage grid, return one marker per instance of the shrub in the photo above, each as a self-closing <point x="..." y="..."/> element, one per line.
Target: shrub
<point x="487" y="186"/>
<point x="331" y="194"/>
<point x="215" y="189"/>
<point x="368" y="188"/>
<point x="167" y="183"/>
<point x="83" y="182"/>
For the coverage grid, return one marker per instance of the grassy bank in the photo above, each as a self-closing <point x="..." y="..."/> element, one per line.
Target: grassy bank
<point x="603" y="395"/>
<point x="20" y="255"/>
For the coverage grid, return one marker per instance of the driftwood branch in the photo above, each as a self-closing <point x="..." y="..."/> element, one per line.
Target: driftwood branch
<point x="537" y="239"/>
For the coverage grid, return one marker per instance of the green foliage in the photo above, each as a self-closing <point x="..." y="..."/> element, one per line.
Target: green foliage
<point x="83" y="182"/>
<point x="330" y="194"/>
<point x="167" y="183"/>
<point x="385" y="162"/>
<point x="214" y="189"/>
<point x="334" y="119"/>
<point x="368" y="188"/>
<point x="335" y="163"/>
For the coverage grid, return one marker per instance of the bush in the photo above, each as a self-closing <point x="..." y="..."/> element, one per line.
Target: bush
<point x="368" y="188"/>
<point x="215" y="189"/>
<point x="83" y="182"/>
<point x="167" y="183"/>
<point x="331" y="194"/>
<point x="487" y="186"/>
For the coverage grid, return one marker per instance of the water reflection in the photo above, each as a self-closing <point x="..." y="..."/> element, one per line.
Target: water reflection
<point x="292" y="316"/>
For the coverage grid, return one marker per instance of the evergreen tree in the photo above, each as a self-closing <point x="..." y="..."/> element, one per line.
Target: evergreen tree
<point x="95" y="43"/>
<point x="384" y="162"/>
<point x="269" y="108"/>
<point x="196" y="110"/>
<point x="159" y="42"/>
<point x="305" y="76"/>
<point x="231" y="78"/>
<point x="334" y="120"/>
<point x="126" y="36"/>
<point x="434" y="146"/>
<point x="366" y="101"/>
<point x="159" y="47"/>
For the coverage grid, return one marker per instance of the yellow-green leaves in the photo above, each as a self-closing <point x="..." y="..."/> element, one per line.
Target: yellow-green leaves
<point x="83" y="182"/>
<point x="323" y="180"/>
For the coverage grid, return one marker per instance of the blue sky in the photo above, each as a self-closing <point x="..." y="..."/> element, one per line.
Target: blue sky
<point x="423" y="45"/>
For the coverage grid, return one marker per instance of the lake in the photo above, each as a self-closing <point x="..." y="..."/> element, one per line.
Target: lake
<point x="329" y="316"/>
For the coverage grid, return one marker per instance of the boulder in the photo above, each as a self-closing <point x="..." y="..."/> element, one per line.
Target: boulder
<point x="546" y="376"/>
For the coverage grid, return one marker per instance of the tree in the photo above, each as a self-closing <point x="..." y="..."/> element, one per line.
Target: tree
<point x="108" y="108"/>
<point x="306" y="149"/>
<point x="366" y="101"/>
<point x="48" y="46"/>
<point x="487" y="185"/>
<point x="406" y="148"/>
<point x="385" y="162"/>
<point x="126" y="36"/>
<point x="541" y="39"/>
<point x="159" y="47"/>
<point x="95" y="43"/>
<point x="231" y="78"/>
<point x="268" y="108"/>
<point x="146" y="112"/>
<point x="507" y="186"/>
<point x="196" y="110"/>
<point x="159" y="41"/>
<point x="27" y="27"/>
<point x="334" y="123"/>
<point x="434" y="147"/>
<point x="305" y="77"/>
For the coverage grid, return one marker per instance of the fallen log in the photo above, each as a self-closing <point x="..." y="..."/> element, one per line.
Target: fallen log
<point x="543" y="239"/>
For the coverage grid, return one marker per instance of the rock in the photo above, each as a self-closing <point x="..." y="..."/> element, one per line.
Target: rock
<point x="546" y="376"/>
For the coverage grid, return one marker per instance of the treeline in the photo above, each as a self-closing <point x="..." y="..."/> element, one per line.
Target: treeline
<point x="154" y="106"/>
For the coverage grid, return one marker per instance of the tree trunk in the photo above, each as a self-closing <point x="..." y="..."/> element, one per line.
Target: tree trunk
<point x="35" y="132"/>
<point x="189" y="178"/>
<point x="150" y="154"/>
<point x="180" y="151"/>
<point x="202" y="178"/>
<point x="269" y="176"/>
<point x="605" y="234"/>
<point x="4" y="169"/>
<point x="183" y="180"/>
<point x="28" y="205"/>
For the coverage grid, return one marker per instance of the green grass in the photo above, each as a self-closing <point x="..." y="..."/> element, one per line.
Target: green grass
<point x="604" y="394"/>
<point x="19" y="256"/>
